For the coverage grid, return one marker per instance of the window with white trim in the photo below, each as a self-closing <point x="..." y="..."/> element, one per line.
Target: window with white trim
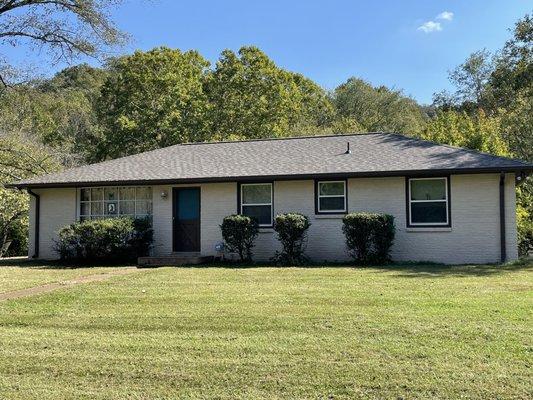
<point x="331" y="197"/>
<point x="107" y="202"/>
<point x="256" y="202"/>
<point x="428" y="202"/>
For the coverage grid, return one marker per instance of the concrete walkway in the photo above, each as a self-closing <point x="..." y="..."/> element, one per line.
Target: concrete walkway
<point x="50" y="287"/>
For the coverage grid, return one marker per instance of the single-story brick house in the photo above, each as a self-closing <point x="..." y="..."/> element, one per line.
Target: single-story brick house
<point x="451" y="205"/>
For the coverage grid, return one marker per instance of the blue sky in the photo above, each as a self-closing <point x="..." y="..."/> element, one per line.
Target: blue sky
<point x="402" y="44"/>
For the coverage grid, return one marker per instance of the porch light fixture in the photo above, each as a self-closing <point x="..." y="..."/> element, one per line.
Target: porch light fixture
<point x="164" y="194"/>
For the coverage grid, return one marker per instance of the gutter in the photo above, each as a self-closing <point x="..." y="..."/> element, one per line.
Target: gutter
<point x="37" y="222"/>
<point x="503" y="249"/>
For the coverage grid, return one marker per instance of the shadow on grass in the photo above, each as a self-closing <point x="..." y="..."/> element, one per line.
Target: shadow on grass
<point x="25" y="262"/>
<point x="429" y="270"/>
<point x="404" y="269"/>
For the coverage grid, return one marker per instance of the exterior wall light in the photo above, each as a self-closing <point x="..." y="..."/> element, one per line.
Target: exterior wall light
<point x="164" y="194"/>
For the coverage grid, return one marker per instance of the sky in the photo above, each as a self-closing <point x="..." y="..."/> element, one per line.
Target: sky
<point x="409" y="45"/>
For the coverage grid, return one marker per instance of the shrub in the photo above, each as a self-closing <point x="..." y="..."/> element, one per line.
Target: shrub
<point x="110" y="240"/>
<point x="369" y="236"/>
<point x="18" y="234"/>
<point x="292" y="233"/>
<point x="524" y="219"/>
<point x="239" y="233"/>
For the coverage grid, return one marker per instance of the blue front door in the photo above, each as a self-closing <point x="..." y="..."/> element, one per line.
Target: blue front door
<point x="186" y="219"/>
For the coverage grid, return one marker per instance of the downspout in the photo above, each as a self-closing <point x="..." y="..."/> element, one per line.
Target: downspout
<point x="503" y="249"/>
<point x="37" y="223"/>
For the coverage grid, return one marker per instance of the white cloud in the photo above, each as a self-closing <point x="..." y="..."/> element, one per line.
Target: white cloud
<point x="445" y="15"/>
<point x="430" y="26"/>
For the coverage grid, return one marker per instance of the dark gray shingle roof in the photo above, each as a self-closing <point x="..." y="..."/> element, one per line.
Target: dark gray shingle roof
<point x="373" y="154"/>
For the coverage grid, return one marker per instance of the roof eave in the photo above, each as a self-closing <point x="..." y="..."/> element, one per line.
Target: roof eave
<point x="366" y="174"/>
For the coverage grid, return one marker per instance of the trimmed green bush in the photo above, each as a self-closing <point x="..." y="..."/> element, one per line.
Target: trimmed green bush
<point x="239" y="233"/>
<point x="109" y="240"/>
<point x="369" y="236"/>
<point x="292" y="233"/>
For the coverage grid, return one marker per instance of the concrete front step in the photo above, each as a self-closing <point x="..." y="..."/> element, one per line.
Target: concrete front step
<point x="173" y="260"/>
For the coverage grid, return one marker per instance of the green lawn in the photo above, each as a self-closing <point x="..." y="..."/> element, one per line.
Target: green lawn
<point x="275" y="333"/>
<point x="22" y="274"/>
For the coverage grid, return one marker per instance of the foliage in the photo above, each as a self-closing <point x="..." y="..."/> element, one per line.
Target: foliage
<point x="524" y="218"/>
<point x="517" y="124"/>
<point x="369" y="236"/>
<point x="253" y="98"/>
<point x="377" y="108"/>
<point x="471" y="78"/>
<point x="143" y="236"/>
<point x="63" y="28"/>
<point x="513" y="70"/>
<point x="63" y="121"/>
<point x="110" y="240"/>
<point x="13" y="206"/>
<point x="239" y="233"/>
<point x="477" y="132"/>
<point x="153" y="99"/>
<point x="20" y="157"/>
<point x="17" y="234"/>
<point x="292" y="233"/>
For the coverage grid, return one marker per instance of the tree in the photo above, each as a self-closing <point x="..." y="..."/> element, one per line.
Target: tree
<point x="517" y="124"/>
<point x="153" y="99"/>
<point x="513" y="72"/>
<point x="377" y="109"/>
<point x="478" y="132"/>
<point x="253" y="98"/>
<point x="59" y="112"/>
<point x="20" y="157"/>
<point x="471" y="79"/>
<point x="63" y="28"/>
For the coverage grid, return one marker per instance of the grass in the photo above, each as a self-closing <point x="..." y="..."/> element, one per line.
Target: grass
<point x="18" y="274"/>
<point x="409" y="331"/>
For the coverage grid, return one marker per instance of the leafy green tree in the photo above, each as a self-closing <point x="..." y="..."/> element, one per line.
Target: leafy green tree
<point x="253" y="98"/>
<point x="80" y="77"/>
<point x="13" y="209"/>
<point x="472" y="77"/>
<point x="517" y="125"/>
<point x="377" y="108"/>
<point x="513" y="72"/>
<point x="153" y="99"/>
<point x="19" y="158"/>
<point x="478" y="132"/>
<point x="65" y="121"/>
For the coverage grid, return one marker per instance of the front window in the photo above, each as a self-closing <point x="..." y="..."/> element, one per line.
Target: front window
<point x="428" y="202"/>
<point x="331" y="197"/>
<point x="107" y="202"/>
<point x="256" y="202"/>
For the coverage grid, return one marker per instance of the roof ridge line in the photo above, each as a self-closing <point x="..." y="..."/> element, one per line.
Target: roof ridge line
<point x="286" y="138"/>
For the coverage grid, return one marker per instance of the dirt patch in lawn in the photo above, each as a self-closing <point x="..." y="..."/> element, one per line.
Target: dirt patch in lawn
<point x="50" y="287"/>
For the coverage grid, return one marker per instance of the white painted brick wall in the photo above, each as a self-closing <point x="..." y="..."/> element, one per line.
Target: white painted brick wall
<point x="474" y="236"/>
<point x="58" y="208"/>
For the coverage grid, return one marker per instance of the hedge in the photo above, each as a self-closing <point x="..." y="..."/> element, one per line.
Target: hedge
<point x="369" y="236"/>
<point x="292" y="233"/>
<point x="110" y="240"/>
<point x="239" y="233"/>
